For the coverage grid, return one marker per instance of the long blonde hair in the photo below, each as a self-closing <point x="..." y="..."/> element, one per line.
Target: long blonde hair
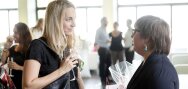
<point x="39" y="25"/>
<point x="56" y="37"/>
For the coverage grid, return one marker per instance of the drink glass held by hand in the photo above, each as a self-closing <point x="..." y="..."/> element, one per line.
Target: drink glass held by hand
<point x="10" y="59"/>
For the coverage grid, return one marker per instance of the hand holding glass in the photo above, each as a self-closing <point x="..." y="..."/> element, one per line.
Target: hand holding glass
<point x="10" y="59"/>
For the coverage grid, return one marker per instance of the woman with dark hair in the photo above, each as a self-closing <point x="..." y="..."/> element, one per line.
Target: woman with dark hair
<point x="151" y="39"/>
<point x="22" y="38"/>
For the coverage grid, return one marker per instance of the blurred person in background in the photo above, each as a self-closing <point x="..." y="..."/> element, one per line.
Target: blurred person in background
<point x="37" y="30"/>
<point x="102" y="41"/>
<point x="116" y="47"/>
<point x="17" y="52"/>
<point x="128" y="41"/>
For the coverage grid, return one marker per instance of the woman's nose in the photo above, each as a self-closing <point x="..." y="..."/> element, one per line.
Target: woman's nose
<point x="73" y="24"/>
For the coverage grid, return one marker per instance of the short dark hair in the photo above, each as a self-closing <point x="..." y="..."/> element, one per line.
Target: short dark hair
<point x="156" y="31"/>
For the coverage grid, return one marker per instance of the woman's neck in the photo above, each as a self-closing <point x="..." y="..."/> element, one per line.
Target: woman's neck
<point x="147" y="54"/>
<point x="18" y="48"/>
<point x="115" y="30"/>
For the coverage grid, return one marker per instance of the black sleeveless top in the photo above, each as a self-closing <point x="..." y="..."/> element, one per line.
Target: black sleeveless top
<point x="116" y="44"/>
<point x="18" y="57"/>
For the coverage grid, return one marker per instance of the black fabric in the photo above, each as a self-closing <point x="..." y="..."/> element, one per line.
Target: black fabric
<point x="156" y="73"/>
<point x="50" y="62"/>
<point x="129" y="55"/>
<point x="116" y="44"/>
<point x="104" y="63"/>
<point x="18" y="57"/>
<point x="74" y="84"/>
<point x="48" y="59"/>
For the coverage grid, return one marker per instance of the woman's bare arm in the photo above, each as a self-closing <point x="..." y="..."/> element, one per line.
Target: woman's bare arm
<point x="80" y="80"/>
<point x="31" y="72"/>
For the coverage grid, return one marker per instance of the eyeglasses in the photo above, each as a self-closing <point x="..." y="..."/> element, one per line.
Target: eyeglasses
<point x="134" y="31"/>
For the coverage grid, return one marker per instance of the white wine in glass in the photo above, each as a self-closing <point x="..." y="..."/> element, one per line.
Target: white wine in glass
<point x="10" y="71"/>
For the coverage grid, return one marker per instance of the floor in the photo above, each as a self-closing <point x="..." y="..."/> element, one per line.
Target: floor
<point x="93" y="82"/>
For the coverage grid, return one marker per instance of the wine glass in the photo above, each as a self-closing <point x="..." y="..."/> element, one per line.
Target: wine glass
<point x="66" y="53"/>
<point x="10" y="70"/>
<point x="78" y="58"/>
<point x="73" y="74"/>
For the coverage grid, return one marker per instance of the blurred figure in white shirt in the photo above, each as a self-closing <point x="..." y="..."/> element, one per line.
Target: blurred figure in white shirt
<point x="129" y="52"/>
<point x="37" y="30"/>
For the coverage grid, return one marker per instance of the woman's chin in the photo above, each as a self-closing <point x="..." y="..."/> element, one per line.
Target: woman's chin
<point x="68" y="33"/>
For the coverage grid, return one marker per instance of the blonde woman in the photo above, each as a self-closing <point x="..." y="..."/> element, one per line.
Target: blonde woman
<point x="47" y="65"/>
<point x="37" y="30"/>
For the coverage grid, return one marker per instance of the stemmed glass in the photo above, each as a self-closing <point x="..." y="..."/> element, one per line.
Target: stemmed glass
<point x="74" y="77"/>
<point x="66" y="53"/>
<point x="10" y="70"/>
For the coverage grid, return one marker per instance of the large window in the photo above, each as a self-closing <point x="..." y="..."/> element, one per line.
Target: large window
<point x="125" y="13"/>
<point x="8" y="18"/>
<point x="179" y="28"/>
<point x="165" y="12"/>
<point x="173" y="12"/>
<point x="9" y="4"/>
<point x="87" y="22"/>
<point x="147" y="2"/>
<point x="88" y="3"/>
<point x="40" y="8"/>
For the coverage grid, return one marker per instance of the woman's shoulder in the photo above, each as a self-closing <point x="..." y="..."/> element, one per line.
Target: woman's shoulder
<point x="162" y="63"/>
<point x="35" y="42"/>
<point x="120" y="33"/>
<point x="12" y="49"/>
<point x="38" y="42"/>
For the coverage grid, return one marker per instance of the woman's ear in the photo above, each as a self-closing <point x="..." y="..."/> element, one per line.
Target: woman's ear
<point x="146" y="40"/>
<point x="146" y="44"/>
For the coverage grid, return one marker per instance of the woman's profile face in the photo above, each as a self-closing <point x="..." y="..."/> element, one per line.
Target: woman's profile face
<point x="69" y="21"/>
<point x="138" y="42"/>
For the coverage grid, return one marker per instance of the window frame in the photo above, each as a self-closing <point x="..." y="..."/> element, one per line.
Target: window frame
<point x="155" y="4"/>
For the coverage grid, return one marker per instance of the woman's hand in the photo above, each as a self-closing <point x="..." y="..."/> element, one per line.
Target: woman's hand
<point x="80" y="80"/>
<point x="14" y="65"/>
<point x="121" y="86"/>
<point x="68" y="64"/>
<point x="7" y="45"/>
<point x="131" y="48"/>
